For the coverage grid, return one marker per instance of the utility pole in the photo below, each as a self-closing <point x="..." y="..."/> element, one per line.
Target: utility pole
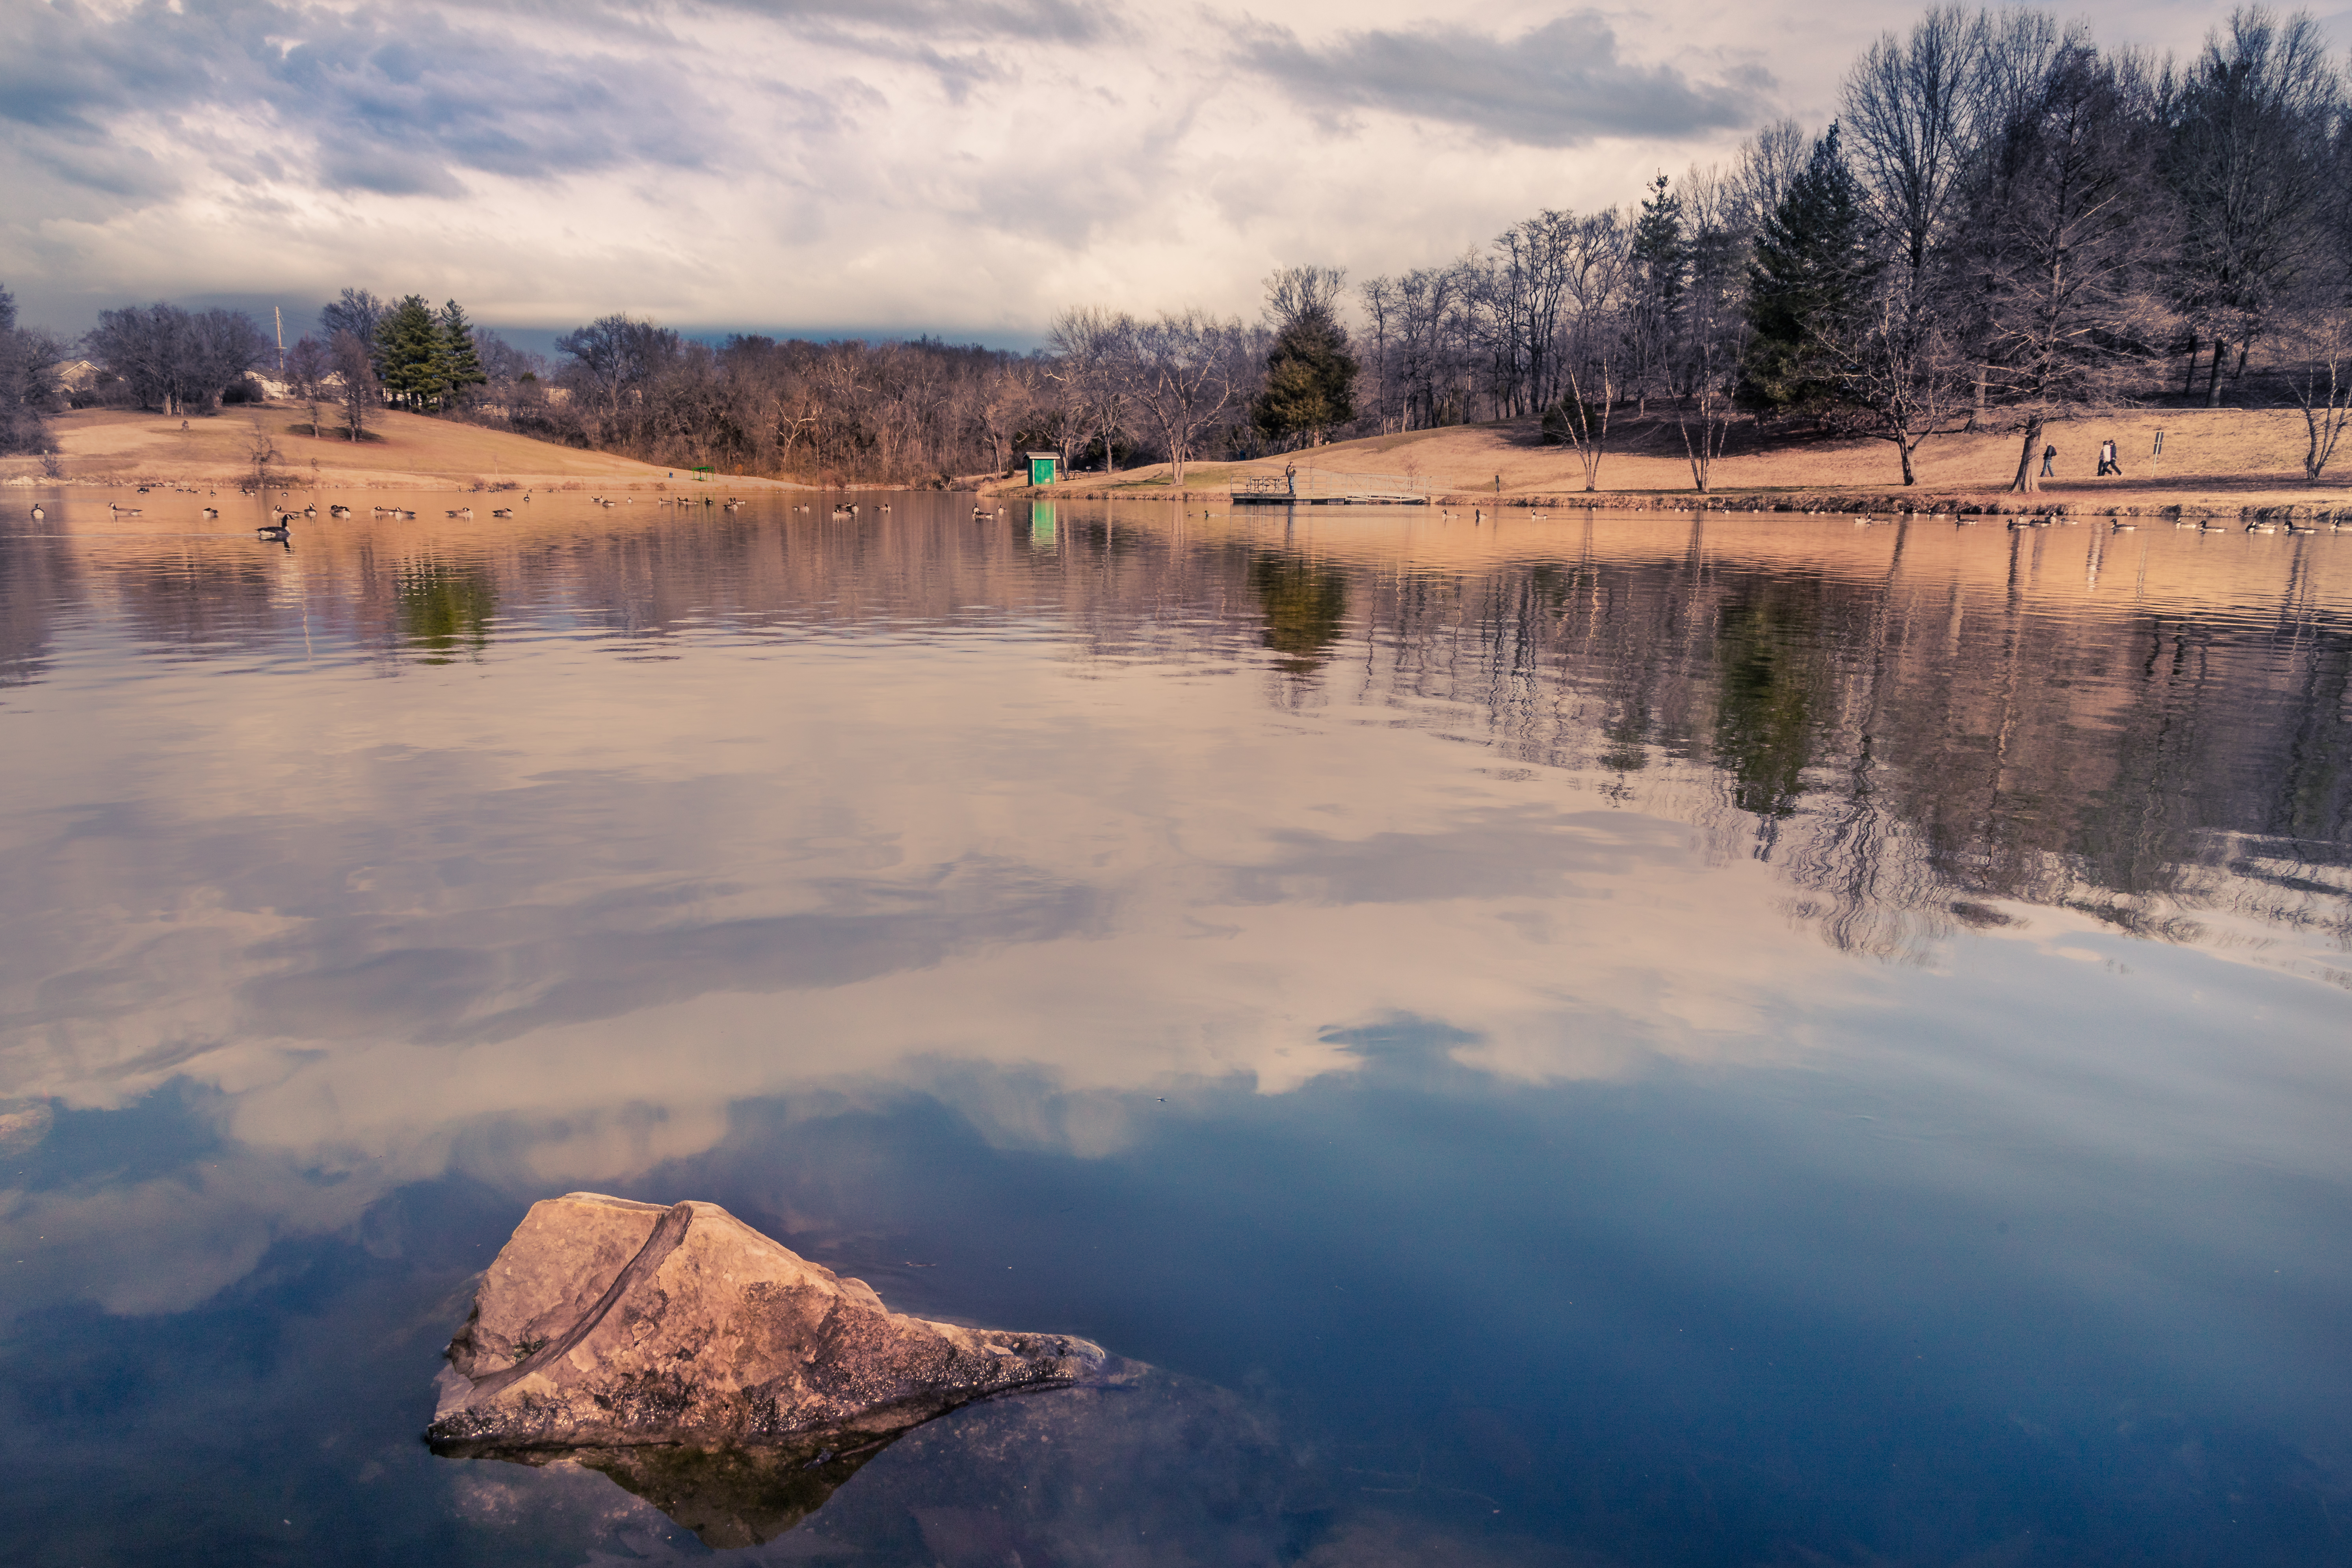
<point x="280" y="317"/>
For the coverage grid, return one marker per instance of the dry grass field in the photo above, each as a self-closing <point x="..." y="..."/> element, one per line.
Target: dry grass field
<point x="112" y="448"/>
<point x="2214" y="460"/>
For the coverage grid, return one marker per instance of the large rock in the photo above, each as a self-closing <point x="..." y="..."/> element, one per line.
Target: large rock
<point x="608" y="1325"/>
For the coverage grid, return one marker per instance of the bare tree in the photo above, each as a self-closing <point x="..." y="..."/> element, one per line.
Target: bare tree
<point x="1913" y="112"/>
<point x="1295" y="292"/>
<point x="1093" y="346"/>
<point x="357" y="312"/>
<point x="1182" y="375"/>
<point x="29" y="387"/>
<point x="2322" y="388"/>
<point x="1590" y="340"/>
<point x="2249" y="153"/>
<point x="1901" y="377"/>
<point x="1768" y="164"/>
<point x="616" y="357"/>
<point x="308" y="366"/>
<point x="1705" y="357"/>
<point x="357" y="390"/>
<point x="173" y="360"/>
<point x="2070" y="227"/>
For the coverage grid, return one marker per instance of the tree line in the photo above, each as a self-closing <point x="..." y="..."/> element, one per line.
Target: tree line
<point x="2003" y="221"/>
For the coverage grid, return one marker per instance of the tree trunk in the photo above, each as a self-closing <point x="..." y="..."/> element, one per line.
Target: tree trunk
<point x="2213" y="381"/>
<point x="2196" y="347"/>
<point x="1905" y="447"/>
<point x="2029" y="476"/>
<point x="1977" y="409"/>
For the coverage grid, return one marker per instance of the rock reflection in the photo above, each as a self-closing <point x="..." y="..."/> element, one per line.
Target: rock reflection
<point x="1144" y="1466"/>
<point x="729" y="1498"/>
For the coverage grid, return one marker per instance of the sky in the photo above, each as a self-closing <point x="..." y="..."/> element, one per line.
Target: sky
<point x="858" y="167"/>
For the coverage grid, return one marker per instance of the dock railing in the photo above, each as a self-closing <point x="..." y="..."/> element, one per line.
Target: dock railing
<point x="1326" y="487"/>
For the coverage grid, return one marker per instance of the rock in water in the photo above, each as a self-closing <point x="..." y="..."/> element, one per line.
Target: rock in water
<point x="605" y="1324"/>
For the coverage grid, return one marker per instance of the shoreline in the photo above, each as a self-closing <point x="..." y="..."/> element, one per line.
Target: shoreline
<point x="2335" y="508"/>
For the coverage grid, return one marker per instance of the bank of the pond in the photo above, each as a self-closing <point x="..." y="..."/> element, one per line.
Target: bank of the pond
<point x="2330" y="506"/>
<point x="2189" y="462"/>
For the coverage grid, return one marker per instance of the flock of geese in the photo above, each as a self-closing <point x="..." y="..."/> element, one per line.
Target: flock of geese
<point x="848" y="511"/>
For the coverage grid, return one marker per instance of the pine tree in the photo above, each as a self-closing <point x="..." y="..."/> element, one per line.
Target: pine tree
<point x="411" y="357"/>
<point x="1310" y="378"/>
<point x="1808" y="271"/>
<point x="1662" y="271"/>
<point x="462" y="366"/>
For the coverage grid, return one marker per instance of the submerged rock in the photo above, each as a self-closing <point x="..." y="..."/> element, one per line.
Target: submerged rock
<point x="605" y="1326"/>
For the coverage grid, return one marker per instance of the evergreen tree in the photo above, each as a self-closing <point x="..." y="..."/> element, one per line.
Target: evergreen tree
<point x="411" y="356"/>
<point x="1808" y="271"/>
<point x="462" y="366"/>
<point x="1310" y="378"/>
<point x="1661" y="277"/>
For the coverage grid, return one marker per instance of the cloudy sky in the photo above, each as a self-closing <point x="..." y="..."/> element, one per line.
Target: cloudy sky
<point x="958" y="166"/>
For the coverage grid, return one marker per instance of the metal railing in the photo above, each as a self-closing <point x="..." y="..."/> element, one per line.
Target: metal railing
<point x="1332" y="484"/>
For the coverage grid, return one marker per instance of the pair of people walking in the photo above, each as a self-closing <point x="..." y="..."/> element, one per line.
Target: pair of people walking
<point x="2108" y="462"/>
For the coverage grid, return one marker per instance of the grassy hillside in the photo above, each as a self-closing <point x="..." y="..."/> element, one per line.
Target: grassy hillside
<point x="2222" y="459"/>
<point x="105" y="446"/>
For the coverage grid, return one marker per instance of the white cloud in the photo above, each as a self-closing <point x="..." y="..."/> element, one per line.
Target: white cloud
<point x="910" y="165"/>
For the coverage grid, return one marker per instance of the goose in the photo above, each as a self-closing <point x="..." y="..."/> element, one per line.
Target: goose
<point x="339" y="511"/>
<point x="2261" y="527"/>
<point x="2126" y="528"/>
<point x="2300" y="528"/>
<point x="123" y="511"/>
<point x="211" y="511"/>
<point x="38" y="513"/>
<point x="404" y="513"/>
<point x="502" y="512"/>
<point x="1968" y="522"/>
<point x="310" y="511"/>
<point x="274" y="530"/>
<point x="2212" y="528"/>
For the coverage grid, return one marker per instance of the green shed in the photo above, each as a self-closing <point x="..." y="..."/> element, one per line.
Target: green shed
<point x="1044" y="467"/>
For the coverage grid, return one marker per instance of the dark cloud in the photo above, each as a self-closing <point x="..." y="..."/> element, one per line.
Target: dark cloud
<point x="1555" y="86"/>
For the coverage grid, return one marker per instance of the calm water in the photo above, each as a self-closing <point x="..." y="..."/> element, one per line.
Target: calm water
<point x="1625" y="1041"/>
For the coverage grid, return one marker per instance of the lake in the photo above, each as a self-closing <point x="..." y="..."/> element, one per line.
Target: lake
<point x="1595" y="1039"/>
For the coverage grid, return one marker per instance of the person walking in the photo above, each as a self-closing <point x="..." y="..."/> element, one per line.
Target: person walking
<point x="1290" y="477"/>
<point x="2115" y="459"/>
<point x="2049" y="456"/>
